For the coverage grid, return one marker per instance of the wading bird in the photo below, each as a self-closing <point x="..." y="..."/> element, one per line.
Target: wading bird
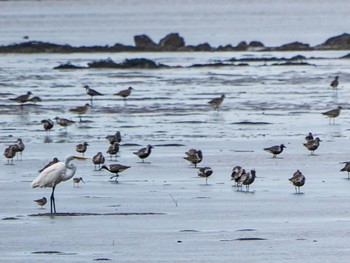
<point x="41" y="202"/>
<point x="81" y="147"/>
<point x="18" y="147"/>
<point x="77" y="180"/>
<point x="215" y="103"/>
<point x="205" y="172"/>
<point x="236" y="174"/>
<point x="275" y="150"/>
<point x="54" y="174"/>
<point x="9" y="153"/>
<point x="309" y="137"/>
<point x="48" y="125"/>
<point x="115" y="169"/>
<point x="80" y="110"/>
<point x="334" y="84"/>
<point x="247" y="179"/>
<point x="114" y="138"/>
<point x="346" y="168"/>
<point x="312" y="145"/>
<point x="92" y="93"/>
<point x="298" y="180"/>
<point x="98" y="159"/>
<point x="144" y="152"/>
<point x="64" y="122"/>
<point x="22" y="98"/>
<point x="332" y="114"/>
<point x="194" y="156"/>
<point x="113" y="150"/>
<point x="124" y="93"/>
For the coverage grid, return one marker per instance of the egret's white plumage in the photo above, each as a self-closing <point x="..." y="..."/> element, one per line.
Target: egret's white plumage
<point x="54" y="174"/>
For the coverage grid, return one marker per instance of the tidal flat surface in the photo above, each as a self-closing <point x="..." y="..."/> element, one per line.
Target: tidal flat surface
<point x="161" y="210"/>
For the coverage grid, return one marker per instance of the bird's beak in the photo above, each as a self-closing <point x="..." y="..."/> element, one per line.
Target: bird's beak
<point x="80" y="158"/>
<point x="82" y="180"/>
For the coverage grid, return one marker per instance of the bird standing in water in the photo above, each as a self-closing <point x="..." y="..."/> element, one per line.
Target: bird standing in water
<point x="115" y="169"/>
<point x="298" y="180"/>
<point x="334" y="84"/>
<point x="55" y="174"/>
<point x="275" y="150"/>
<point x="22" y="98"/>
<point x="98" y="159"/>
<point x="77" y="180"/>
<point x="48" y="125"/>
<point x="215" y="103"/>
<point x="124" y="93"/>
<point x="194" y="156"/>
<point x="41" y="202"/>
<point x="144" y="152"/>
<point x="64" y="122"/>
<point x="80" y="110"/>
<point x="332" y="114"/>
<point x="92" y="93"/>
<point x="205" y="172"/>
<point x="81" y="147"/>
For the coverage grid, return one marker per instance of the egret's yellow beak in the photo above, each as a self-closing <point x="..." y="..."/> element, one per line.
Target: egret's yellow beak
<point x="80" y="158"/>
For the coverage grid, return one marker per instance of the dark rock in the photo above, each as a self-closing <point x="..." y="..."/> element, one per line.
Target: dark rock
<point x="225" y="48"/>
<point x="171" y="42"/>
<point x="338" y="43"/>
<point x="203" y="47"/>
<point x="346" y="56"/>
<point x="242" y="46"/>
<point x="143" y="42"/>
<point x="256" y="45"/>
<point x="68" y="65"/>
<point x="294" y="47"/>
<point x="36" y="47"/>
<point x="137" y="63"/>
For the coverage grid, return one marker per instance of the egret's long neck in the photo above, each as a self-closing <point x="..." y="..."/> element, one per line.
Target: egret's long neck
<point x="70" y="170"/>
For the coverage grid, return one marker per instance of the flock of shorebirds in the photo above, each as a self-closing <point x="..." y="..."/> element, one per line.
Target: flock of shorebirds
<point x="58" y="171"/>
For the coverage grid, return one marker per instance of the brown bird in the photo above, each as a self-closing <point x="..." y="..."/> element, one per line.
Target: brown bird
<point x="98" y="159"/>
<point x="35" y="99"/>
<point x="9" y="153"/>
<point x="309" y="137"/>
<point x="77" y="180"/>
<point x="236" y="174"/>
<point x="92" y="93"/>
<point x="215" y="103"/>
<point x="194" y="156"/>
<point x="312" y="145"/>
<point x="113" y="150"/>
<point x="298" y="180"/>
<point x="115" y="169"/>
<point x="18" y="147"/>
<point x="80" y="110"/>
<point x="124" y="93"/>
<point x="275" y="150"/>
<point x="41" y="202"/>
<point x="22" y="98"/>
<point x="81" y="147"/>
<point x="47" y="124"/>
<point x="332" y="114"/>
<point x="114" y="138"/>
<point x="247" y="179"/>
<point x="144" y="152"/>
<point x="334" y="84"/>
<point x="205" y="172"/>
<point x="346" y="168"/>
<point x="54" y="160"/>
<point x="64" y="122"/>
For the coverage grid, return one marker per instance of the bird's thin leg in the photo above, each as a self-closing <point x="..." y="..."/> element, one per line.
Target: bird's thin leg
<point x="52" y="200"/>
<point x="206" y="180"/>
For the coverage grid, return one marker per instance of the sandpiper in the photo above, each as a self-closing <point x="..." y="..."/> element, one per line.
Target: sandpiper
<point x="18" y="147"/>
<point x="312" y="145"/>
<point x="309" y="137"/>
<point x="92" y="93"/>
<point x="80" y="110"/>
<point x="298" y="180"/>
<point x="54" y="160"/>
<point x="114" y="138"/>
<point x="81" y="147"/>
<point x="194" y="156"/>
<point x="9" y="153"/>
<point x="113" y="150"/>
<point x="205" y="172"/>
<point x="41" y="202"/>
<point x="47" y="124"/>
<point x="22" y="98"/>
<point x="115" y="169"/>
<point x="64" y="122"/>
<point x="334" y="84"/>
<point x="346" y="168"/>
<point x="144" y="152"/>
<point x="236" y="174"/>
<point x="247" y="179"/>
<point x="215" y="103"/>
<point x="275" y="150"/>
<point x="77" y="180"/>
<point x="35" y="99"/>
<point x="124" y="93"/>
<point x="332" y="114"/>
<point x="98" y="159"/>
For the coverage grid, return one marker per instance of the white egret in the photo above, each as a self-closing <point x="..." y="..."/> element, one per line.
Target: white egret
<point x="54" y="174"/>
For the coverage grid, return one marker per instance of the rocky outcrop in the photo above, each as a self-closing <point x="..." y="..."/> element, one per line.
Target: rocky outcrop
<point x="143" y="42"/>
<point x="171" y="42"/>
<point x="295" y="46"/>
<point x="341" y="42"/>
<point x="137" y="63"/>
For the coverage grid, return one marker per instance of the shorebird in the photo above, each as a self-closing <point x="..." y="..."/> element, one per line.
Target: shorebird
<point x="81" y="147"/>
<point x="115" y="169"/>
<point x="54" y="160"/>
<point x="309" y="137"/>
<point x="77" y="180"/>
<point x="9" y="153"/>
<point x="346" y="168"/>
<point x="92" y="93"/>
<point x="312" y="145"/>
<point x="80" y="110"/>
<point x="298" y="180"/>
<point x="334" y="84"/>
<point x="18" y="147"/>
<point x="332" y="114"/>
<point x="205" y="172"/>
<point x="124" y="93"/>
<point x="35" y="99"/>
<point x="194" y="156"/>
<point x="55" y="174"/>
<point x="48" y="125"/>
<point x="22" y="98"/>
<point x="275" y="150"/>
<point x="247" y="179"/>
<point x="64" y="122"/>
<point x="236" y="174"/>
<point x="41" y="202"/>
<point x="215" y="103"/>
<point x="144" y="152"/>
<point x="113" y="150"/>
<point x="98" y="159"/>
<point x="114" y="138"/>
